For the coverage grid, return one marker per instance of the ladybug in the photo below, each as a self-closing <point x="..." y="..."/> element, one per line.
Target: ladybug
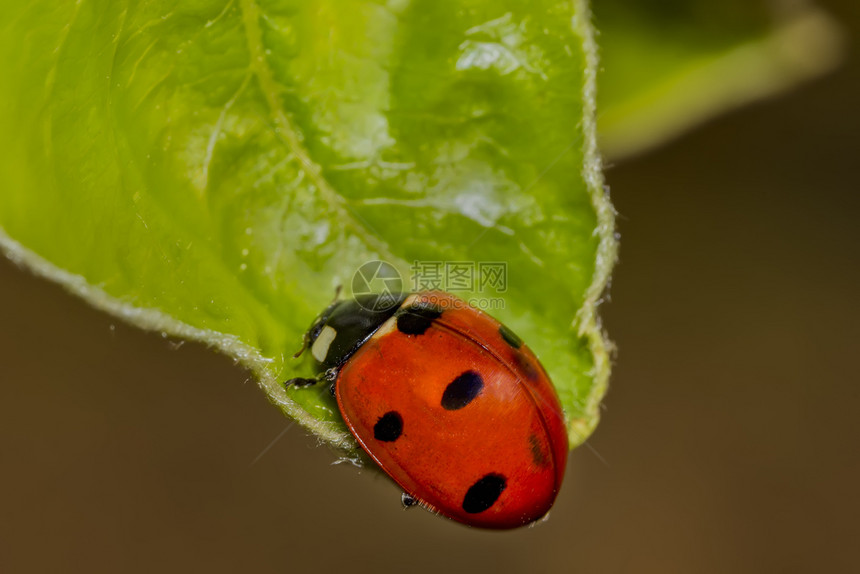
<point x="447" y="401"/>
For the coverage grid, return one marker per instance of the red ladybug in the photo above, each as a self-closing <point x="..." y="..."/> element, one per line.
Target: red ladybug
<point x="449" y="403"/>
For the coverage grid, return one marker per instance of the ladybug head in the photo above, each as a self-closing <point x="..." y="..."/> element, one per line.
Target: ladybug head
<point x="344" y="325"/>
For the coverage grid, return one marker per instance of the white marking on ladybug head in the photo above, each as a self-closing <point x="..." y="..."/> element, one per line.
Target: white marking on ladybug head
<point x="320" y="347"/>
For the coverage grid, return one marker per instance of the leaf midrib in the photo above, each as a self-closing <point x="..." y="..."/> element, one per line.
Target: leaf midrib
<point x="287" y="132"/>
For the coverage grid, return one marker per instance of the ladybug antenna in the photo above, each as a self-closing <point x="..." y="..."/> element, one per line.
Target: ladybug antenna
<point x="305" y="339"/>
<point x="304" y="346"/>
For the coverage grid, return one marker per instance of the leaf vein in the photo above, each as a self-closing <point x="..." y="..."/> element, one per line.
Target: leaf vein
<point x="288" y="133"/>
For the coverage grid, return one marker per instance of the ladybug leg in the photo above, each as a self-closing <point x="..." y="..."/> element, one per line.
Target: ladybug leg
<point x="330" y="376"/>
<point x="301" y="382"/>
<point x="408" y="501"/>
<point x="327" y="377"/>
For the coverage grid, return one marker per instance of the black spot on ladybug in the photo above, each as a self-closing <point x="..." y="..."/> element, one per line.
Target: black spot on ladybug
<point x="484" y="493"/>
<point x="462" y="391"/>
<point x="528" y="367"/>
<point x="538" y="455"/>
<point x="510" y="337"/>
<point x="389" y="427"/>
<point x="415" y="320"/>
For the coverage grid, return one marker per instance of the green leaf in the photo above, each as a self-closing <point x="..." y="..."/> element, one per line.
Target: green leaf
<point x="668" y="66"/>
<point x="214" y="169"/>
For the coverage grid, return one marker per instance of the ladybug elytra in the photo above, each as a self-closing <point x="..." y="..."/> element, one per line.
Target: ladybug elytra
<point x="448" y="402"/>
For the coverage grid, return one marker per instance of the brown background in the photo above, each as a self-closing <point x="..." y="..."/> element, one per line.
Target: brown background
<point x="730" y="436"/>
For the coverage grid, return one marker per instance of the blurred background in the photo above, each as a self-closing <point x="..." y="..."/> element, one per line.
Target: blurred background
<point x="730" y="433"/>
